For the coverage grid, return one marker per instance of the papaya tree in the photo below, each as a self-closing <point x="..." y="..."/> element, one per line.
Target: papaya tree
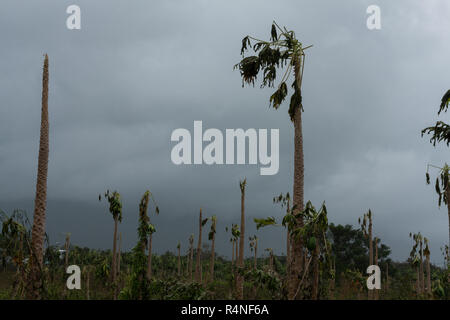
<point x="253" y="241"/>
<point x="139" y="283"/>
<point x="416" y="260"/>
<point x="442" y="188"/>
<point x="282" y="50"/>
<point x="35" y="283"/>
<point x="17" y="244"/>
<point x="190" y="255"/>
<point x="366" y="227"/>
<point x="198" y="266"/>
<point x="313" y="233"/>
<point x="270" y="251"/>
<point x="115" y="208"/>
<point x="427" y="253"/>
<point x="285" y="201"/>
<point x="151" y="231"/>
<point x="212" y="238"/>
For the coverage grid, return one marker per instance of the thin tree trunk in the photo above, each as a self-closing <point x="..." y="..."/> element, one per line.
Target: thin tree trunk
<point x="179" y="261"/>
<point x="370" y="292"/>
<point x="240" y="278"/>
<point x="418" y="282"/>
<point x="66" y="247"/>
<point x="232" y="255"/>
<point x="422" y="280"/>
<point x="211" y="271"/>
<point x="149" y="262"/>
<point x="256" y="252"/>
<point x="114" y="258"/>
<point x="428" y="275"/>
<point x="199" y="250"/>
<point x="288" y="248"/>
<point x="119" y="254"/>
<point x="448" y="212"/>
<point x="87" y="285"/>
<point x="315" y="286"/>
<point x="387" y="277"/>
<point x="271" y="261"/>
<point x="376" y="263"/>
<point x="38" y="230"/>
<point x="298" y="194"/>
<point x="191" y="258"/>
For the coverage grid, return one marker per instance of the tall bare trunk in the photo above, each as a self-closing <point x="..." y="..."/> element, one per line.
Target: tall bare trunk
<point x="240" y="278"/>
<point x="298" y="199"/>
<point x="448" y="212"/>
<point x="232" y="256"/>
<point x="87" y="285"/>
<point x="370" y="292"/>
<point x="256" y="253"/>
<point x="428" y="275"/>
<point x="213" y="240"/>
<point x="149" y="262"/>
<point x="288" y="248"/>
<point x="66" y="247"/>
<point x="387" y="277"/>
<point x="376" y="263"/>
<point x="38" y="230"/>
<point x="114" y="258"/>
<point x="422" y="277"/>
<point x="179" y="261"/>
<point x="315" y="286"/>
<point x="119" y="254"/>
<point x="199" y="250"/>
<point x="191" y="259"/>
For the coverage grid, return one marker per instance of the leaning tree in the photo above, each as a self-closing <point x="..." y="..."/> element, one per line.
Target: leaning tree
<point x="282" y="50"/>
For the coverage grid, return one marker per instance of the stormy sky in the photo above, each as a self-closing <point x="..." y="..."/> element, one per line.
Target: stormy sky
<point x="137" y="70"/>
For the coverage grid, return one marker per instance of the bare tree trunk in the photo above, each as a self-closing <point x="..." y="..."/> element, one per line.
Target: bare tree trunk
<point x="376" y="263"/>
<point x="428" y="275"/>
<point x="38" y="230"/>
<point x="199" y="250"/>
<point x="315" y="285"/>
<point x="288" y="248"/>
<point x="66" y="247"/>
<point x="179" y="261"/>
<point x="418" y="282"/>
<point x="149" y="262"/>
<point x="240" y="278"/>
<point x="211" y="270"/>
<point x="448" y="212"/>
<point x="256" y="252"/>
<point x="370" y="292"/>
<point x="298" y="194"/>
<point x="422" y="280"/>
<point x="232" y="255"/>
<point x="271" y="261"/>
<point x="87" y="285"/>
<point x="191" y="258"/>
<point x="119" y="254"/>
<point x="387" y="277"/>
<point x="114" y="259"/>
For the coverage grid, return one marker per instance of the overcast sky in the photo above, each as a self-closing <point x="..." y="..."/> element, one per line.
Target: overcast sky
<point x="137" y="70"/>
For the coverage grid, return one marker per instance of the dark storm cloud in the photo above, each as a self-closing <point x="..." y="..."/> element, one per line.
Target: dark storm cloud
<point x="138" y="70"/>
